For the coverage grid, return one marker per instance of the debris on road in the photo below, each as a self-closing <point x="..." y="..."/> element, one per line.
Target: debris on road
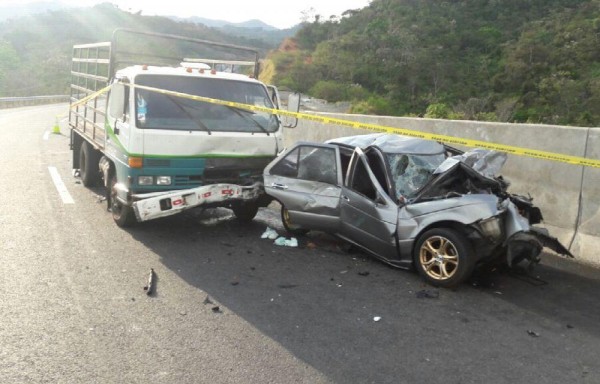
<point x="292" y="242"/>
<point x="364" y="273"/>
<point x="569" y="326"/>
<point x="216" y="309"/>
<point x="377" y="318"/>
<point x="532" y="333"/>
<point x="270" y="234"/>
<point x="286" y="286"/>
<point x="427" y="294"/>
<point x="151" y="283"/>
<point x="207" y="300"/>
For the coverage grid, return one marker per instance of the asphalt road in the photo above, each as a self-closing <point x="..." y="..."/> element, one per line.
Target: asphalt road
<point x="73" y="308"/>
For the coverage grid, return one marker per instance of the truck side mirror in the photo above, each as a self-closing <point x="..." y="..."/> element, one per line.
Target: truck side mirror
<point x="293" y="105"/>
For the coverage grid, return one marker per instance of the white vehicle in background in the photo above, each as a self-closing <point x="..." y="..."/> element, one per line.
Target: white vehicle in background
<point x="159" y="153"/>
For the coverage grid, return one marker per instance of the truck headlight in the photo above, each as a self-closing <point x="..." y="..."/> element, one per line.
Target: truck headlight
<point x="163" y="180"/>
<point x="145" y="180"/>
<point x="491" y="227"/>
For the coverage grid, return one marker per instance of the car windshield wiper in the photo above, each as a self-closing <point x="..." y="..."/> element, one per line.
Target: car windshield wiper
<point x="189" y="115"/>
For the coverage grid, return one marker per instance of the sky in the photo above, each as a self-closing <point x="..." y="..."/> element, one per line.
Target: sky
<point x="277" y="13"/>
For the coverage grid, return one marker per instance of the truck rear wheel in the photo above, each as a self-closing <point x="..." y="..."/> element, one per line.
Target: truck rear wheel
<point x="122" y="214"/>
<point x="89" y="169"/>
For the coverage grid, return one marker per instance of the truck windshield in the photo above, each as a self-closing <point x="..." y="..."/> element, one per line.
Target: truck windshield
<point x="159" y="111"/>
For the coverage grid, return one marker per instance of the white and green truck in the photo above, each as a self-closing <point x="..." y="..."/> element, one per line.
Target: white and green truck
<point x="158" y="153"/>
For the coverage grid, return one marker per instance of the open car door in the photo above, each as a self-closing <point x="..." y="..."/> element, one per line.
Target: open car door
<point x="369" y="216"/>
<point x="306" y="180"/>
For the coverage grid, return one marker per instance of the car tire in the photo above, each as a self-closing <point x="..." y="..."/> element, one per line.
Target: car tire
<point x="89" y="169"/>
<point x="444" y="257"/>
<point x="245" y="212"/>
<point x="123" y="215"/>
<point x="290" y="227"/>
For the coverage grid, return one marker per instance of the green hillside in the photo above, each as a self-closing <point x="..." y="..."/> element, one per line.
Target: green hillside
<point x="511" y="60"/>
<point x="35" y="51"/>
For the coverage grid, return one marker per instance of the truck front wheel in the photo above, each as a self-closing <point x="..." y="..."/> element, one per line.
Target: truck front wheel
<point x="122" y="214"/>
<point x="245" y="212"/>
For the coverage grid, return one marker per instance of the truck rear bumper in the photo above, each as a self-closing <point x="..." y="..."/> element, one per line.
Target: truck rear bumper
<point x="150" y="206"/>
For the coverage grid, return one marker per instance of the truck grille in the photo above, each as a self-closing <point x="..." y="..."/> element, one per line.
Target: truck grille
<point x="188" y="181"/>
<point x="164" y="163"/>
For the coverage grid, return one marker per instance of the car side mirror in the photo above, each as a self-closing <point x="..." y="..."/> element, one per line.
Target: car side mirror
<point x="380" y="200"/>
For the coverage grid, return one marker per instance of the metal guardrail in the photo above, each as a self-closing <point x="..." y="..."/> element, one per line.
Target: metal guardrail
<point x="11" y="102"/>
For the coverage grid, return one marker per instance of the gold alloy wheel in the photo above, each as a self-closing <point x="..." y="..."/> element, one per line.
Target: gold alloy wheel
<point x="287" y="222"/>
<point x="292" y="228"/>
<point x="439" y="258"/>
<point x="286" y="217"/>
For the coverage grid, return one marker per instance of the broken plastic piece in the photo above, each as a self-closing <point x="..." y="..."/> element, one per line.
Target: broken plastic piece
<point x="270" y="234"/>
<point x="293" y="242"/>
<point x="532" y="333"/>
<point x="151" y="280"/>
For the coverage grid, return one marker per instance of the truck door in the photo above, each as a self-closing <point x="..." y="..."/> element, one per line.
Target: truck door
<point x="369" y="216"/>
<point x="118" y="117"/>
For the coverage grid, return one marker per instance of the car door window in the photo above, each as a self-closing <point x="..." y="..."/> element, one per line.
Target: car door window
<point x="308" y="163"/>
<point x="361" y="182"/>
<point x="288" y="166"/>
<point x="317" y="164"/>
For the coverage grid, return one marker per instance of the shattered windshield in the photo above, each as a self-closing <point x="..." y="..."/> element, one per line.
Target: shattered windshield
<point x="410" y="173"/>
<point x="159" y="111"/>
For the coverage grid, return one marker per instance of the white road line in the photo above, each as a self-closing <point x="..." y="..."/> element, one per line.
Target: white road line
<point x="60" y="186"/>
<point x="46" y="135"/>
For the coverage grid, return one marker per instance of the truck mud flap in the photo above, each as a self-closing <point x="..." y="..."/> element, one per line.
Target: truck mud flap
<point x="154" y="205"/>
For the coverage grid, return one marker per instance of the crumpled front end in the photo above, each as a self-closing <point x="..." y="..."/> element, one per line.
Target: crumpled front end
<point x="472" y="173"/>
<point x="524" y="242"/>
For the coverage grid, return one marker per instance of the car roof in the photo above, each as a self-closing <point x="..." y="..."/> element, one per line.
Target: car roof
<point x="391" y="143"/>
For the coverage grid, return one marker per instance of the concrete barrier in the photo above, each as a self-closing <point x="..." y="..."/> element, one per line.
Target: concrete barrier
<point x="14" y="102"/>
<point x="568" y="195"/>
<point x="587" y="239"/>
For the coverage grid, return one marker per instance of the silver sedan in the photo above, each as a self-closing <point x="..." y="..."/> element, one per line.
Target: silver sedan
<point x="409" y="202"/>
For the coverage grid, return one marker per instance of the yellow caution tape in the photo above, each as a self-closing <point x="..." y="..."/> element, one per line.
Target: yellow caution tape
<point x="377" y="128"/>
<point x="90" y="97"/>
